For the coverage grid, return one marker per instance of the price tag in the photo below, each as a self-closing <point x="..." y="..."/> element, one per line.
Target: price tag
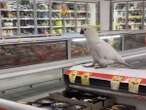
<point x="72" y="76"/>
<point x="85" y="79"/>
<point x="134" y="85"/>
<point x="115" y="82"/>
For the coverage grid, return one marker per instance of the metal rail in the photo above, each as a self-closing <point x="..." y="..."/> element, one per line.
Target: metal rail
<point x="107" y="92"/>
<point x="66" y="36"/>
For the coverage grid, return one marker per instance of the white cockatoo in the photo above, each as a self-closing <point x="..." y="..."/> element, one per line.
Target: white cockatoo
<point x="103" y="53"/>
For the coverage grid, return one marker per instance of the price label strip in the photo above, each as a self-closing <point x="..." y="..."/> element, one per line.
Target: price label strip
<point x="115" y="82"/>
<point x="85" y="79"/>
<point x="72" y="76"/>
<point x="134" y="85"/>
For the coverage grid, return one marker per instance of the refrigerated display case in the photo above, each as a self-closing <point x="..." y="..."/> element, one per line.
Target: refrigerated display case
<point x="128" y="15"/>
<point x="132" y="41"/>
<point x="13" y="55"/>
<point x="135" y="15"/>
<point x="119" y="16"/>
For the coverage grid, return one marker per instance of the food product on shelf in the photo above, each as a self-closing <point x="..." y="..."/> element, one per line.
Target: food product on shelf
<point x="42" y="6"/>
<point x="25" y="4"/>
<point x="64" y="9"/>
<point x="42" y="14"/>
<point x="9" y="32"/>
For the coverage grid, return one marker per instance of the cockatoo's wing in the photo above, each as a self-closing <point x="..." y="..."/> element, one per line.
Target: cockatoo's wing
<point x="108" y="52"/>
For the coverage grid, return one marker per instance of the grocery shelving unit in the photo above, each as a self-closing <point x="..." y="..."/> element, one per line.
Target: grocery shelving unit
<point x="128" y="15"/>
<point x="29" y="18"/>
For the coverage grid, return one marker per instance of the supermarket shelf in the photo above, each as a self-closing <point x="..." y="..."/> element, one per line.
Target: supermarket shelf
<point x="43" y="18"/>
<point x="69" y="18"/>
<point x="120" y="10"/>
<point x="57" y="26"/>
<point x="135" y="9"/>
<point x="57" y="18"/>
<point x="9" y="18"/>
<point x="26" y="18"/>
<point x="71" y="11"/>
<point x="132" y="17"/>
<point x="135" y="23"/>
<point x="26" y="26"/>
<point x="81" y="18"/>
<point x="42" y="10"/>
<point x="43" y="26"/>
<point x="69" y="26"/>
<point x="26" y="10"/>
<point x="32" y="12"/>
<point x="9" y="27"/>
<point x="8" y="9"/>
<point x="56" y="11"/>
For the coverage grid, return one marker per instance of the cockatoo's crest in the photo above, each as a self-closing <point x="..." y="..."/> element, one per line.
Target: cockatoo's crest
<point x="91" y="33"/>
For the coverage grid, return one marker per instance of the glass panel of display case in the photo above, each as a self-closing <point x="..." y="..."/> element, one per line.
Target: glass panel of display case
<point x="57" y="21"/>
<point x="79" y="48"/>
<point x="14" y="55"/>
<point x="9" y="20"/>
<point x="133" y="41"/>
<point x="119" y="15"/>
<point x="43" y="17"/>
<point x="135" y="15"/>
<point x="82" y="15"/>
<point x="69" y="17"/>
<point x="144" y="14"/>
<point x="114" y="40"/>
<point x="26" y="13"/>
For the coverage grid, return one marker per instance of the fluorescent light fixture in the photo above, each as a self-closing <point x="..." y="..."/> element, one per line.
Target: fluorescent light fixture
<point x="101" y="37"/>
<point x="109" y="37"/>
<point x="79" y="39"/>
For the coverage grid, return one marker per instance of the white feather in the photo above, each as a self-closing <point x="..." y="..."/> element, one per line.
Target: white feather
<point x="102" y="52"/>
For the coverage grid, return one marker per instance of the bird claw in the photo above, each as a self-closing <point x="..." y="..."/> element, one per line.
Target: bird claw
<point x="96" y="67"/>
<point x="89" y="65"/>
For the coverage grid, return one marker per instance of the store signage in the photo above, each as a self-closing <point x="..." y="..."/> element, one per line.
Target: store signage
<point x="134" y="85"/>
<point x="85" y="79"/>
<point x="72" y="76"/>
<point x="115" y="82"/>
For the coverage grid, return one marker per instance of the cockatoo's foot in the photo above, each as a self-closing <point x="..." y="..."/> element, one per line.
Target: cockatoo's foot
<point x="97" y="66"/>
<point x="88" y="65"/>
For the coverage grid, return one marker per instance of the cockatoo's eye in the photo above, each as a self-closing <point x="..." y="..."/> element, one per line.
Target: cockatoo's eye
<point x="82" y="31"/>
